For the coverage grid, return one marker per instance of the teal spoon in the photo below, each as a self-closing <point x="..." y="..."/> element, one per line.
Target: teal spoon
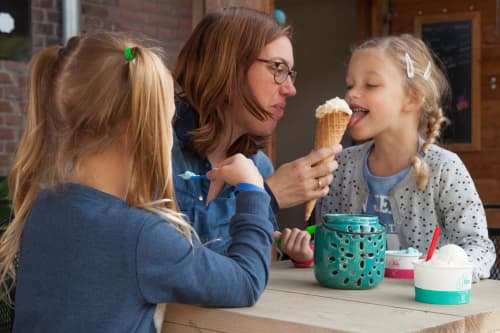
<point x="310" y="230"/>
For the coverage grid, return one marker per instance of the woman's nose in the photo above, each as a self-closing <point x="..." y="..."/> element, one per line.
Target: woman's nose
<point x="288" y="88"/>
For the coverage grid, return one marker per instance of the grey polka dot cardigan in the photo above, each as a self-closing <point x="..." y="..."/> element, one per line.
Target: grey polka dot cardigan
<point x="450" y="200"/>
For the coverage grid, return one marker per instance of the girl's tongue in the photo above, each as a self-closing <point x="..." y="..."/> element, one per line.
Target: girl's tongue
<point x="356" y="117"/>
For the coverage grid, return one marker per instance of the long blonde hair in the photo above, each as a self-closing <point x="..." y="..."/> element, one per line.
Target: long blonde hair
<point x="428" y="81"/>
<point x="86" y="90"/>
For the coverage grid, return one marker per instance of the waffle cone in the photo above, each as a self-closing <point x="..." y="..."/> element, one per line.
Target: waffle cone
<point x="329" y="131"/>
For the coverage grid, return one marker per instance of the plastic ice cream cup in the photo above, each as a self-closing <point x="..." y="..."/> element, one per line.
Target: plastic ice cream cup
<point x="445" y="279"/>
<point x="399" y="264"/>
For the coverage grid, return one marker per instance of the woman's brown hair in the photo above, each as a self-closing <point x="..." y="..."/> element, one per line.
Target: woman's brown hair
<point x="213" y="66"/>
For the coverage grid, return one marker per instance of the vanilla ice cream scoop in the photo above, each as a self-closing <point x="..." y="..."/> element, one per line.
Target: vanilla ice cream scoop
<point x="450" y="255"/>
<point x="333" y="105"/>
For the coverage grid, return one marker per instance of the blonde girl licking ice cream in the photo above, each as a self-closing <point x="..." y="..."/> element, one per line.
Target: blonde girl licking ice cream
<point x="395" y="90"/>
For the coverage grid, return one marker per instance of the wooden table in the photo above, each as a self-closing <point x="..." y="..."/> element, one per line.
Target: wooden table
<point x="295" y="302"/>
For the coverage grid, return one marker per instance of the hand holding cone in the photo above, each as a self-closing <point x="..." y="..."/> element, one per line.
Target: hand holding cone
<point x="332" y="119"/>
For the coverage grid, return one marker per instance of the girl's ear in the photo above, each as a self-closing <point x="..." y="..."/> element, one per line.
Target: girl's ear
<point x="414" y="102"/>
<point x="125" y="136"/>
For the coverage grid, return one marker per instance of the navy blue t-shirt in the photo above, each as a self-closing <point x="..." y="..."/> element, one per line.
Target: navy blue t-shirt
<point x="91" y="263"/>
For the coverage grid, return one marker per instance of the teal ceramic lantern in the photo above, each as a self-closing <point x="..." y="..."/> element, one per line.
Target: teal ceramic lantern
<point x="349" y="251"/>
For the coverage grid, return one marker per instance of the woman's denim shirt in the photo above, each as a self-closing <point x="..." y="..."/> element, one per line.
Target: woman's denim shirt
<point x="211" y="221"/>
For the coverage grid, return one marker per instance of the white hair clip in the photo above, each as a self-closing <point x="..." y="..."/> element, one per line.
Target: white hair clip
<point x="409" y="66"/>
<point x="427" y="73"/>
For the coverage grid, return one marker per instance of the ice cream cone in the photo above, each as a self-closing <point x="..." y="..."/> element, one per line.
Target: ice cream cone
<point x="332" y="120"/>
<point x="331" y="128"/>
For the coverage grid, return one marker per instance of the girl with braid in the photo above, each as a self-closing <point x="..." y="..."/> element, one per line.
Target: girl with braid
<point x="395" y="91"/>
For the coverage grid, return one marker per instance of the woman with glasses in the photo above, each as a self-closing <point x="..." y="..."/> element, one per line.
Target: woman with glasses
<point x="234" y="75"/>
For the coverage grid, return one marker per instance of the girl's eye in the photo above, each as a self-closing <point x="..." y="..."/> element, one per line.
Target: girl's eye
<point x="369" y="85"/>
<point x="348" y="87"/>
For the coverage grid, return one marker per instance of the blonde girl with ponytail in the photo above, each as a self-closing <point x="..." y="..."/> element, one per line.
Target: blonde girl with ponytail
<point x="399" y="173"/>
<point x="97" y="240"/>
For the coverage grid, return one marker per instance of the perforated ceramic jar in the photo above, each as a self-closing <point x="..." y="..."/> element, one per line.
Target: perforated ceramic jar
<point x="349" y="251"/>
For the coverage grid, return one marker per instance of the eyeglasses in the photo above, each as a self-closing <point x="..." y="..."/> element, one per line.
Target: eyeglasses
<point x="280" y="70"/>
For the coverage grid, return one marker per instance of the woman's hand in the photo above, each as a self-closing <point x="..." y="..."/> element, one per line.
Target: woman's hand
<point x="305" y="178"/>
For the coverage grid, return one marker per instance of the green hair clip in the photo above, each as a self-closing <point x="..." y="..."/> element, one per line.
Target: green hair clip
<point x="129" y="54"/>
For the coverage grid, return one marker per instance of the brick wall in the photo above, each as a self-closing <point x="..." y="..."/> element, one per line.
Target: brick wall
<point x="167" y="21"/>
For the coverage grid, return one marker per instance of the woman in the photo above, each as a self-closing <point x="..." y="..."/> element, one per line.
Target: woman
<point x="235" y="74"/>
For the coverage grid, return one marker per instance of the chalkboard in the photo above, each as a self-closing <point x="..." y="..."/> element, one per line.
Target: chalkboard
<point x="455" y="41"/>
<point x="15" y="30"/>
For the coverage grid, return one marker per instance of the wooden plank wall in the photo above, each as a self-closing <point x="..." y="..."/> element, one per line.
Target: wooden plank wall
<point x="484" y="165"/>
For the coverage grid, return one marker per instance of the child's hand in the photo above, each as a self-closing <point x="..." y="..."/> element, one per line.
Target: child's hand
<point x="295" y="243"/>
<point x="236" y="169"/>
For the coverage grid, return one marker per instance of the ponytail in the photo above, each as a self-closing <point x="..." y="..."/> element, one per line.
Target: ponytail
<point x="23" y="177"/>
<point x="152" y="173"/>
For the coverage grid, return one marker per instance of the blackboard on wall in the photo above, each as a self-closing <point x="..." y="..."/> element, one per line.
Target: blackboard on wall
<point x="15" y="30"/>
<point x="455" y="40"/>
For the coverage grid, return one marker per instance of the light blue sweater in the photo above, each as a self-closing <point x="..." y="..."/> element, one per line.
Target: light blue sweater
<point x="91" y="263"/>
